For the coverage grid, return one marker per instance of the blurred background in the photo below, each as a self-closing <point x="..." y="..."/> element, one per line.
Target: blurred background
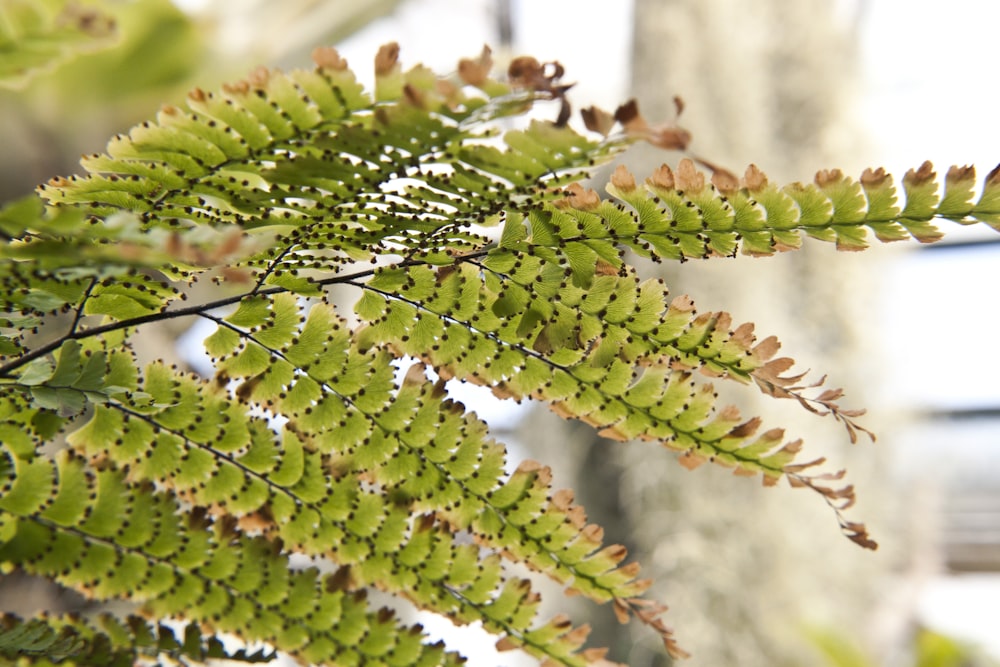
<point x="753" y="576"/>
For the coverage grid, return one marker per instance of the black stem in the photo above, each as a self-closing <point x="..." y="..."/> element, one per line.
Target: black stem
<point x="77" y="334"/>
<point x="79" y="309"/>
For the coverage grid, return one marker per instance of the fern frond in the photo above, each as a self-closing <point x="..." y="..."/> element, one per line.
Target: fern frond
<point x="60" y="261"/>
<point x="615" y="355"/>
<point x="277" y="490"/>
<point x="309" y="162"/>
<point x="133" y="542"/>
<point x="475" y="257"/>
<point x="346" y="415"/>
<point x="108" y="641"/>
<point x="38" y="35"/>
<point x="332" y="197"/>
<point x="681" y="215"/>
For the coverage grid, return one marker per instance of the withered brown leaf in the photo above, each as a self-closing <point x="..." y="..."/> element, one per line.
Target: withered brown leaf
<point x="475" y="72"/>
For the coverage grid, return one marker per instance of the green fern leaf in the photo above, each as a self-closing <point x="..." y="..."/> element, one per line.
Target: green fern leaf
<point x="212" y="576"/>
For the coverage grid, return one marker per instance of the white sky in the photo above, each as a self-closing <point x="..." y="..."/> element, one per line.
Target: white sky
<point x="932" y="84"/>
<point x="932" y="94"/>
<point x="563" y="30"/>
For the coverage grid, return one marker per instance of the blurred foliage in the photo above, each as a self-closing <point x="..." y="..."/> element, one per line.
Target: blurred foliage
<point x="151" y="53"/>
<point x="37" y="35"/>
<point x="160" y="49"/>
<point x="929" y="649"/>
<point x="72" y="108"/>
